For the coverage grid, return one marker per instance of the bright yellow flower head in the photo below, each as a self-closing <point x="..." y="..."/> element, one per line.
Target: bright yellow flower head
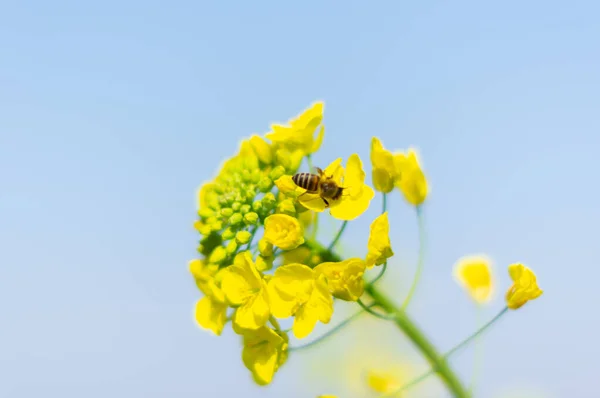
<point x="475" y="275"/>
<point x="384" y="169"/>
<point x="283" y="231"/>
<point x="296" y="290"/>
<point x="265" y="350"/>
<point x="300" y="133"/>
<point x="356" y="195"/>
<point x="344" y="278"/>
<point x="379" y="246"/>
<point x="412" y="181"/>
<point x="524" y="287"/>
<point x="245" y="289"/>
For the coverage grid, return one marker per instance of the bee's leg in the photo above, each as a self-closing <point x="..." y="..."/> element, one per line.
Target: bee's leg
<point x="326" y="202"/>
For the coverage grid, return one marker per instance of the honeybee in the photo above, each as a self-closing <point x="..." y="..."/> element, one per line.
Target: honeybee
<point x="319" y="184"/>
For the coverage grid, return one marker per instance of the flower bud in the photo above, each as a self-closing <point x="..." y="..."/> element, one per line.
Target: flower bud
<point x="262" y="149"/>
<point x="236" y="206"/>
<point x="243" y="237"/>
<point x="264" y="263"/>
<point x="227" y="212"/>
<point x="287" y="206"/>
<point x="235" y="219"/>
<point x="228" y="234"/>
<point x="257" y="205"/>
<point x="218" y="255"/>
<point x="250" y="218"/>
<point x="265" y="184"/>
<point x="231" y="247"/>
<point x="265" y="248"/>
<point x="277" y="172"/>
<point x="268" y="201"/>
<point x="205" y="212"/>
<point x="244" y="209"/>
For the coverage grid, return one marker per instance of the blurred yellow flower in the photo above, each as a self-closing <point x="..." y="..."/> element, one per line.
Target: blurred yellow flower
<point x="383" y="382"/>
<point x="265" y="350"/>
<point x="283" y="231"/>
<point x="384" y="170"/>
<point x="298" y="255"/>
<point x="296" y="290"/>
<point x="300" y="133"/>
<point x="412" y="181"/>
<point x="474" y="274"/>
<point x="356" y="195"/>
<point x="379" y="245"/>
<point x="245" y="289"/>
<point x="524" y="287"/>
<point x="344" y="278"/>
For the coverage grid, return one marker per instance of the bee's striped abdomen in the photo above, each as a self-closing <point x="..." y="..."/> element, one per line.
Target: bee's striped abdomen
<point x="308" y="181"/>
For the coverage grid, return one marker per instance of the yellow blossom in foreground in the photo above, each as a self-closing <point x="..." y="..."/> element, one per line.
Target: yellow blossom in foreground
<point x="356" y="195"/>
<point x="296" y="290"/>
<point x="524" y="287"/>
<point x="262" y="149"/>
<point x="379" y="245"/>
<point x="344" y="278"/>
<point x="474" y="274"/>
<point x="265" y="350"/>
<point x="299" y="134"/>
<point x="283" y="231"/>
<point x="245" y="289"/>
<point x="412" y="181"/>
<point x="298" y="255"/>
<point x="384" y="171"/>
<point x="211" y="310"/>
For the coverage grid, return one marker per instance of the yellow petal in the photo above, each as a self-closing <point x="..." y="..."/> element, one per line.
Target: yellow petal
<point x="211" y="315"/>
<point x="335" y="170"/>
<point x="318" y="141"/>
<point x="312" y="202"/>
<point x="254" y="313"/>
<point x="351" y="208"/>
<point x="262" y="349"/>
<point x="345" y="278"/>
<point x="412" y="181"/>
<point x="304" y="322"/>
<point x="474" y="274"/>
<point x="524" y="287"/>
<point x="379" y="245"/>
<point x="235" y="285"/>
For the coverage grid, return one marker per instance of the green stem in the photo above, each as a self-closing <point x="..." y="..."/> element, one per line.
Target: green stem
<point x="372" y="312"/>
<point x="383" y="268"/>
<point x="274" y="323"/>
<point x="448" y="354"/>
<point x="338" y="236"/>
<point x="420" y="260"/>
<point x="329" y="333"/>
<point x="384" y="206"/>
<point x="419" y="339"/>
<point x="477" y="354"/>
<point x="309" y="162"/>
<point x="315" y="226"/>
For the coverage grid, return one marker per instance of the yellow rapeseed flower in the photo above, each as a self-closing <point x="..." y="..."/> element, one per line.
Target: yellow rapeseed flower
<point x="211" y="310"/>
<point x="299" y="134"/>
<point x="245" y="289"/>
<point x="356" y="195"/>
<point x="283" y="231"/>
<point x="344" y="278"/>
<point x="296" y="290"/>
<point x="384" y="171"/>
<point x="474" y="274"/>
<point x="412" y="181"/>
<point x="524" y="287"/>
<point x="379" y="245"/>
<point x="265" y="350"/>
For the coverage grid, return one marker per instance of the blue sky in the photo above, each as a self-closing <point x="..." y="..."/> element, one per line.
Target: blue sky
<point x="113" y="113"/>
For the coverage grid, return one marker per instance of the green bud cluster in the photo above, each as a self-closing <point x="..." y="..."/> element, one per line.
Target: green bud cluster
<point x="236" y="202"/>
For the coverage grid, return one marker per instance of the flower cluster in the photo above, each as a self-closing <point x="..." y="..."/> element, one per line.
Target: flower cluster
<point x="258" y="263"/>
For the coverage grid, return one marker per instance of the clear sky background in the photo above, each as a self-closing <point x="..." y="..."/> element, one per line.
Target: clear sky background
<point x="113" y="113"/>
